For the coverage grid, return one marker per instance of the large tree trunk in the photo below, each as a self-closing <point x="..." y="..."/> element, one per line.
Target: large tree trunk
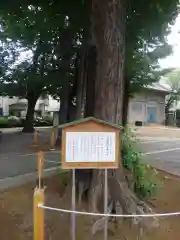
<point x="80" y="80"/>
<point x="166" y="116"/>
<point x="75" y="111"/>
<point x="84" y="177"/>
<point x="78" y="91"/>
<point x="125" y="102"/>
<point x="90" y="83"/>
<point x="108" y="32"/>
<point x="63" y="111"/>
<point x="108" y="21"/>
<point x="28" y="124"/>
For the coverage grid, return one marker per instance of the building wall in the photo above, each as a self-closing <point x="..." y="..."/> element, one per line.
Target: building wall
<point x="4" y="105"/>
<point x="42" y="105"/>
<point x="145" y="104"/>
<point x="138" y="106"/>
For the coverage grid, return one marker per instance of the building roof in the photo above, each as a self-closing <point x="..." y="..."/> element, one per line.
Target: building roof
<point x="90" y="119"/>
<point x="159" y="87"/>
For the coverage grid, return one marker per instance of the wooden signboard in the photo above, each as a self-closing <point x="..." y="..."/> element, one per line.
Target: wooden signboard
<point x="90" y="143"/>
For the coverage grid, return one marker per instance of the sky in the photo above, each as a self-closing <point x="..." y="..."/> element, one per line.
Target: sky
<point x="174" y="39"/>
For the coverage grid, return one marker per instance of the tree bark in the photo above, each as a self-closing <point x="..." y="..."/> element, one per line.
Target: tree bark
<point x="125" y="102"/>
<point x="80" y="80"/>
<point x="108" y="26"/>
<point x="108" y="33"/>
<point x="75" y="111"/>
<point x="28" y="124"/>
<point x="90" y="83"/>
<point x="83" y="177"/>
<point x="63" y="112"/>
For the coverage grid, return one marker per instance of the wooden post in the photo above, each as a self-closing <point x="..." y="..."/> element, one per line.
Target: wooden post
<point x="52" y="141"/>
<point x="35" y="137"/>
<point x="38" y="214"/>
<point x="73" y="203"/>
<point x="106" y="204"/>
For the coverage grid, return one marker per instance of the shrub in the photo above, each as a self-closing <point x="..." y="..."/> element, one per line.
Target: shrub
<point x="145" y="181"/>
<point x="14" y="121"/>
<point x="11" y="121"/>
<point x="48" y="118"/>
<point x="3" y="120"/>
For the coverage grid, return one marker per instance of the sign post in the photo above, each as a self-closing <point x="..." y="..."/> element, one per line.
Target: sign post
<point x="106" y="204"/>
<point x="94" y="144"/>
<point x="73" y="203"/>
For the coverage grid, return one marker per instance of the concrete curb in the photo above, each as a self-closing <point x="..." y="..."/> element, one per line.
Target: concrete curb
<point x="20" y="180"/>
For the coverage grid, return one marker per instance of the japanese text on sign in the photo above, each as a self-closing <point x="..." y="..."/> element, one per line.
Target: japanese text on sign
<point x="90" y="146"/>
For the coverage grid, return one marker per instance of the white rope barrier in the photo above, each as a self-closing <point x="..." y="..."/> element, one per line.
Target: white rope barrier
<point x="109" y="215"/>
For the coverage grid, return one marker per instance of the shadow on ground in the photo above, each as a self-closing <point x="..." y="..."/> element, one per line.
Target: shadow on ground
<point x="19" y="142"/>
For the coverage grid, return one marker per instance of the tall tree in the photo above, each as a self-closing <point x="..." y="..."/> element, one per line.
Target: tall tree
<point x="172" y="79"/>
<point x="111" y="21"/>
<point x="141" y="70"/>
<point x="51" y="52"/>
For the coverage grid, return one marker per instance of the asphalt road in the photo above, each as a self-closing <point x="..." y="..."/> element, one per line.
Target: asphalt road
<point x="15" y="156"/>
<point x="14" y="164"/>
<point x="162" y="153"/>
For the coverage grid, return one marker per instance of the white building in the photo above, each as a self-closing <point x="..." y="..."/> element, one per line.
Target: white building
<point x="146" y="107"/>
<point x="18" y="107"/>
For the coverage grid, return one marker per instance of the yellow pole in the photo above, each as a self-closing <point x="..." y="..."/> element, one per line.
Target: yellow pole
<point x="38" y="214"/>
<point x="52" y="141"/>
<point x="40" y="167"/>
<point x="39" y="199"/>
<point x="56" y="132"/>
<point x="35" y="137"/>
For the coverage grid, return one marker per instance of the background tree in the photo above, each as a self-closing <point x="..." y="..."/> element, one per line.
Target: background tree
<point x="145" y="40"/>
<point x="141" y="70"/>
<point x="172" y="79"/>
<point x="49" y="64"/>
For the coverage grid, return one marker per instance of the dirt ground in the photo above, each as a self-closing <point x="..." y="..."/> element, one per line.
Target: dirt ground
<point x="16" y="214"/>
<point x="157" y="131"/>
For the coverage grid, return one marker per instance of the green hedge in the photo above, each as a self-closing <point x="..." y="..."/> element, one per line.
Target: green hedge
<point x="10" y="122"/>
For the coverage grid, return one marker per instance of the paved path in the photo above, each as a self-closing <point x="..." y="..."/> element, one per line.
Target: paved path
<point x="163" y="153"/>
<point x="19" y="129"/>
<point x="14" y="164"/>
<point x="16" y="158"/>
<point x="14" y="141"/>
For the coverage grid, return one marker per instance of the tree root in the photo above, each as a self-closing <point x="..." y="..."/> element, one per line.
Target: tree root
<point x="122" y="201"/>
